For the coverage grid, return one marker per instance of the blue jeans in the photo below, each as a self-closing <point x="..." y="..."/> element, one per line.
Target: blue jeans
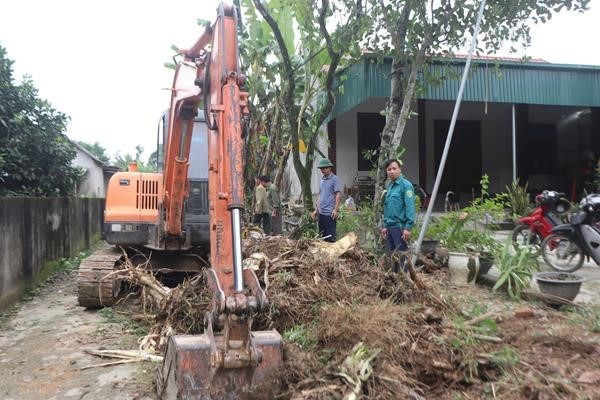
<point x="395" y="244"/>
<point x="327" y="227"/>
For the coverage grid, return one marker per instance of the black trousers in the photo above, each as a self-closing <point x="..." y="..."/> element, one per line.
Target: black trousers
<point x="264" y="220"/>
<point x="327" y="227"/>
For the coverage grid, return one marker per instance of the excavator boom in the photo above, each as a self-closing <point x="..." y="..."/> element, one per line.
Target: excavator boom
<point x="229" y="357"/>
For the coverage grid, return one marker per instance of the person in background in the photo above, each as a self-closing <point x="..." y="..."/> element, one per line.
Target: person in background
<point x="329" y="200"/>
<point x="398" y="213"/>
<point x="349" y="203"/>
<point x="274" y="202"/>
<point x="262" y="211"/>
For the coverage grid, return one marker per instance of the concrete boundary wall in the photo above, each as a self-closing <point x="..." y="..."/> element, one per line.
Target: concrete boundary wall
<point x="37" y="231"/>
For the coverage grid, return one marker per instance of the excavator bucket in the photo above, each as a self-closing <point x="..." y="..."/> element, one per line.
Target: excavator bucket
<point x="191" y="368"/>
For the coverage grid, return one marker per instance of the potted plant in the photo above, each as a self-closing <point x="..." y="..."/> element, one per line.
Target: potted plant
<point x="518" y="201"/>
<point x="467" y="233"/>
<point x="517" y="266"/>
<point x="561" y="287"/>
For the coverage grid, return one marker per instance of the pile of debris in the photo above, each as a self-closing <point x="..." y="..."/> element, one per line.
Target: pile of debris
<point x="340" y="302"/>
<point x="352" y="327"/>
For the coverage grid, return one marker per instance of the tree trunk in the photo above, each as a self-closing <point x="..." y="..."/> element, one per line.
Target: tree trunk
<point x="281" y="169"/>
<point x="273" y="133"/>
<point x="392" y="111"/>
<point x="408" y="98"/>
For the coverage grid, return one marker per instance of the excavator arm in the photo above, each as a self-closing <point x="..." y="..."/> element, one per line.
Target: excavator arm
<point x="186" y="96"/>
<point x="229" y="357"/>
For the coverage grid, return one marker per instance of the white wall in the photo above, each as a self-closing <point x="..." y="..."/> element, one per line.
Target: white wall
<point x="93" y="182"/>
<point x="496" y="140"/>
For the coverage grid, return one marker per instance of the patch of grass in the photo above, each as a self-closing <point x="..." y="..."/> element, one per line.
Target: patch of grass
<point x="587" y="316"/>
<point x="108" y="314"/>
<point x="478" y="309"/>
<point x="59" y="267"/>
<point x="111" y="316"/>
<point x="505" y="358"/>
<point x="303" y="335"/>
<point x="285" y="276"/>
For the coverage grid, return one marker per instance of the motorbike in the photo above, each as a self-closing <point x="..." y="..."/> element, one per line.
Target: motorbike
<point x="532" y="229"/>
<point x="569" y="244"/>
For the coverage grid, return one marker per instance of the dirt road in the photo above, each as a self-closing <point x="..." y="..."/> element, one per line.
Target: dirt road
<point x="43" y="343"/>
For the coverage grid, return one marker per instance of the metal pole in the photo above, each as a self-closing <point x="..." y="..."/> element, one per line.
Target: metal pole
<point x="514" y="144"/>
<point x="440" y="171"/>
<point x="236" y="226"/>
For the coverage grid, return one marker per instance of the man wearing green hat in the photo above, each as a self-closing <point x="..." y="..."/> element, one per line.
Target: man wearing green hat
<point x="329" y="200"/>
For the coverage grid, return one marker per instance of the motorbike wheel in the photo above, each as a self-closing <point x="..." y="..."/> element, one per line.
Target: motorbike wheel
<point x="561" y="253"/>
<point x="522" y="235"/>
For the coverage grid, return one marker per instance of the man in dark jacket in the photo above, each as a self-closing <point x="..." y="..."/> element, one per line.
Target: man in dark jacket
<point x="274" y="202"/>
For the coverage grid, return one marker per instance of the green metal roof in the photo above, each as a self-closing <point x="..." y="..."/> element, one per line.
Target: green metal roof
<point x="489" y="80"/>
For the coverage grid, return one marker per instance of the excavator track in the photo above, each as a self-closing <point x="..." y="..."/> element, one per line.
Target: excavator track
<point x="96" y="287"/>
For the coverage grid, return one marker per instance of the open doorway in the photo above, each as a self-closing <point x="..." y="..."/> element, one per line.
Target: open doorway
<point x="462" y="172"/>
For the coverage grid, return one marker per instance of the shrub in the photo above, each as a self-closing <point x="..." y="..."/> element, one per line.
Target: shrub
<point x="516" y="265"/>
<point x="518" y="199"/>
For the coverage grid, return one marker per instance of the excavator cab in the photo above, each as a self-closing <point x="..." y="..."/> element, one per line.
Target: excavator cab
<point x="196" y="210"/>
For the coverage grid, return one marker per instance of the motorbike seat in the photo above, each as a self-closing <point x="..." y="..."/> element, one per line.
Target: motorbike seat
<point x="554" y="219"/>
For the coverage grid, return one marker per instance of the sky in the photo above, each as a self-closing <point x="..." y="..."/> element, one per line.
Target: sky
<point x="102" y="62"/>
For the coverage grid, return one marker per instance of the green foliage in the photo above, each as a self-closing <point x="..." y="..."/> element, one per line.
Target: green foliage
<point x="122" y="161"/>
<point x="97" y="150"/>
<point x="469" y="229"/>
<point x="303" y="335"/>
<point x="347" y="221"/>
<point x="35" y="155"/>
<point x="364" y="222"/>
<point x="518" y="199"/>
<point x="586" y="315"/>
<point x="285" y="46"/>
<point x="505" y="358"/>
<point x="413" y="32"/>
<point x="517" y="264"/>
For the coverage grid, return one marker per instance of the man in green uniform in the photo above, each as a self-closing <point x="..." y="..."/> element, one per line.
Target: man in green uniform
<point x="398" y="212"/>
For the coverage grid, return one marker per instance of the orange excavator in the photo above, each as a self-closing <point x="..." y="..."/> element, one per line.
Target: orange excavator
<point x="150" y="212"/>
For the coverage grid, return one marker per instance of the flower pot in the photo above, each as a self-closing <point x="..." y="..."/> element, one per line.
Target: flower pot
<point x="562" y="285"/>
<point x="442" y="252"/>
<point x="485" y="264"/>
<point x="458" y="266"/>
<point x="504" y="226"/>
<point x="429" y="246"/>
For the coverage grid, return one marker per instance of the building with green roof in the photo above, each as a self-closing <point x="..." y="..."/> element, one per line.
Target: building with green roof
<point x="510" y="123"/>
